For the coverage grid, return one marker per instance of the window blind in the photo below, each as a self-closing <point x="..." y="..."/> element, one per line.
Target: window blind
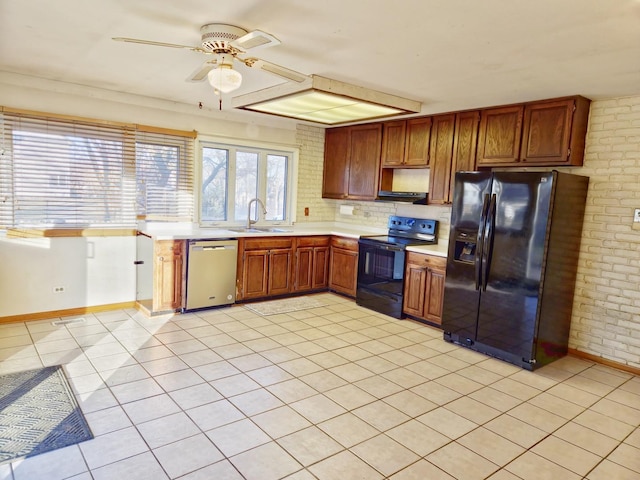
<point x="164" y="175"/>
<point x="63" y="172"/>
<point x="66" y="173"/>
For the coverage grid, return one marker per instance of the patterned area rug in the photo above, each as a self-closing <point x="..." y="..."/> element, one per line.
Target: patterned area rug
<point x="286" y="305"/>
<point x="38" y="413"/>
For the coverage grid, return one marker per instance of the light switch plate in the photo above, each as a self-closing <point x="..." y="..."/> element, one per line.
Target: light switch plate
<point x="636" y="220"/>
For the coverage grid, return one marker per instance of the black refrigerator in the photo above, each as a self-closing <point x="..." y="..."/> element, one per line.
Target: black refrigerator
<point x="512" y="261"/>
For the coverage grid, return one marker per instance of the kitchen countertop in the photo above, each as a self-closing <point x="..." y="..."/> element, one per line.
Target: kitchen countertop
<point x="161" y="231"/>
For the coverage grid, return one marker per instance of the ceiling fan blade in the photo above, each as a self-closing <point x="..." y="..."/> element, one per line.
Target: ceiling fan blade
<point x="274" y="69"/>
<point x="255" y="40"/>
<point x="201" y="73"/>
<point x="158" y="44"/>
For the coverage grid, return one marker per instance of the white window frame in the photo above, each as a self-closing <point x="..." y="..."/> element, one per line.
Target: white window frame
<point x="261" y="148"/>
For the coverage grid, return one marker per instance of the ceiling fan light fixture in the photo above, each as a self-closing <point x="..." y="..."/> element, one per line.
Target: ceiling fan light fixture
<point x="224" y="78"/>
<point x="326" y="101"/>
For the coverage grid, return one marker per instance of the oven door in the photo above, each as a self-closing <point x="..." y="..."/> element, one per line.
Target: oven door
<point x="380" y="277"/>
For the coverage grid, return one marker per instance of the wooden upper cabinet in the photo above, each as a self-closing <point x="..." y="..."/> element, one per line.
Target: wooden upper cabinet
<point x="405" y="143"/>
<point x="465" y="142"/>
<point x="336" y="163"/>
<point x="442" y="134"/>
<point x="393" y="139"/>
<point x="545" y="133"/>
<point x="554" y="132"/>
<point x="500" y="135"/>
<point x="416" y="150"/>
<point x="352" y="161"/>
<point x="364" y="161"/>
<point x="453" y="149"/>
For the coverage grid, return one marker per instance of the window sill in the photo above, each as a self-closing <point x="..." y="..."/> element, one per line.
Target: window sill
<point x="69" y="232"/>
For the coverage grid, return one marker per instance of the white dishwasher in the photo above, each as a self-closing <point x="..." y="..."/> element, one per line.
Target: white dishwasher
<point x="211" y="273"/>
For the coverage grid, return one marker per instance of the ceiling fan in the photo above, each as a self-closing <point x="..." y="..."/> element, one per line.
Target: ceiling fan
<point x="228" y="43"/>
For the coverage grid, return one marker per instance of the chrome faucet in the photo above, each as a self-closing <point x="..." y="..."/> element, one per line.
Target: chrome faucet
<point x="264" y="212"/>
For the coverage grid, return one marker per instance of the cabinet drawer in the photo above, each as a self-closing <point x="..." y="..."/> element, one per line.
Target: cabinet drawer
<point x="429" y="261"/>
<point x="345" y="243"/>
<point x="268" y="243"/>
<point x="312" y="241"/>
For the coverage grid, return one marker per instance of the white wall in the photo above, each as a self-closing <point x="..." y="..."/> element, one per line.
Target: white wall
<point x="92" y="270"/>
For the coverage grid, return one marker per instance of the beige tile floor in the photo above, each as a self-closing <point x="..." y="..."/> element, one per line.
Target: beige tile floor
<point x="336" y="392"/>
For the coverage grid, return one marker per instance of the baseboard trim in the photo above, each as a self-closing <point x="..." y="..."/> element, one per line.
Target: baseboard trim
<point x="604" y="361"/>
<point x="27" y="317"/>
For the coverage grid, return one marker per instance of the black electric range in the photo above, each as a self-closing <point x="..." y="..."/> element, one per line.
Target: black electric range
<point x="381" y="262"/>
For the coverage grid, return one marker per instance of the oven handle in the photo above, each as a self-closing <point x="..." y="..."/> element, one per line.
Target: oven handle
<point x="382" y="246"/>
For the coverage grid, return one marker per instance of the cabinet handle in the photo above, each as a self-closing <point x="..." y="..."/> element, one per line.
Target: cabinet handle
<point x="138" y="262"/>
<point x="161" y="259"/>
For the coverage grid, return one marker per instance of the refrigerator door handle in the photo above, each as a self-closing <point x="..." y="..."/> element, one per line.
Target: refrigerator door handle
<point x="487" y="242"/>
<point x="479" y="244"/>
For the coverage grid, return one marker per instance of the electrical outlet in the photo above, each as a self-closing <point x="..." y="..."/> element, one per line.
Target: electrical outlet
<point x="58" y="289"/>
<point x="306" y="211"/>
<point x="636" y="215"/>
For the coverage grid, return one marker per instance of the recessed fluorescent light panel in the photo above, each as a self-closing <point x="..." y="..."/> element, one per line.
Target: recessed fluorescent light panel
<point x="326" y="101"/>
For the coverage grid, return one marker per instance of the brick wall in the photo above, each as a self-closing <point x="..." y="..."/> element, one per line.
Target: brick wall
<point x="310" y="141"/>
<point x="606" y="314"/>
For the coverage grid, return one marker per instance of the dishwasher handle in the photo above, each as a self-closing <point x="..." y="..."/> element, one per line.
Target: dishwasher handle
<point x="199" y="246"/>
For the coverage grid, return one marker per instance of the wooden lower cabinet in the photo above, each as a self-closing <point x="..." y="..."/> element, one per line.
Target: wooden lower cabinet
<point x="343" y="269"/>
<point x="264" y="267"/>
<point x="311" y="263"/>
<point x="168" y="260"/>
<point x="424" y="286"/>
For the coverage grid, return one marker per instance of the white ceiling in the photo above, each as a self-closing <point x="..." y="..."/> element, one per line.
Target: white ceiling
<point x="448" y="54"/>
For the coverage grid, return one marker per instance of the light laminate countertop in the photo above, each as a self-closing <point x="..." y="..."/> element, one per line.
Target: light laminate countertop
<point x="160" y="231"/>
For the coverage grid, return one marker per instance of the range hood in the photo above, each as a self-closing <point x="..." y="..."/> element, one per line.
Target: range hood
<point x="419" y="198"/>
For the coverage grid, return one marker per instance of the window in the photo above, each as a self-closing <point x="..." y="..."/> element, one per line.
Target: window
<point x="72" y="173"/>
<point x="232" y="175"/>
<point x="65" y="174"/>
<point x="164" y="176"/>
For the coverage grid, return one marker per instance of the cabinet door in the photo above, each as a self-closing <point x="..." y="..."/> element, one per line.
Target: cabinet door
<point x="344" y="271"/>
<point x="320" y="267"/>
<point x="393" y="142"/>
<point x="547" y="132"/>
<point x="364" y="161"/>
<point x="255" y="268"/>
<point x="500" y="134"/>
<point x="416" y="150"/>
<point x="279" y="272"/>
<point x="336" y="163"/>
<point x="434" y="296"/>
<point x="303" y="269"/>
<point x="414" y="289"/>
<point x="440" y="159"/>
<point x="465" y="142"/>
<point x="167" y="292"/>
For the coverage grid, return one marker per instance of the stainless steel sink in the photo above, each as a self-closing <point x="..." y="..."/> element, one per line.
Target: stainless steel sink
<point x="260" y="230"/>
